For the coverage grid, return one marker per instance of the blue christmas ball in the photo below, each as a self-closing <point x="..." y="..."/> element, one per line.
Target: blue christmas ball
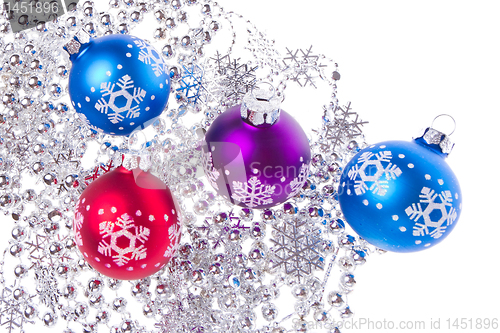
<point x="118" y="83"/>
<point x="400" y="196"/>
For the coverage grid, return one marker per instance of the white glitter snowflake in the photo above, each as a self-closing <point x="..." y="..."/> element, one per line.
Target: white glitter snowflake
<point x="121" y="100"/>
<point x="211" y="172"/>
<point x="253" y="193"/>
<point x="365" y="173"/>
<point x="77" y="225"/>
<point x="123" y="227"/>
<point x="150" y="56"/>
<point x="433" y="225"/>
<point x="298" y="182"/>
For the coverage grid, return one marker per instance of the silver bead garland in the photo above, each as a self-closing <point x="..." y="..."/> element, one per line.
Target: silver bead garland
<point x="237" y="269"/>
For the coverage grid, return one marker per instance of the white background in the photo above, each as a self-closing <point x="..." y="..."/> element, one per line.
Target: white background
<point x="403" y="63"/>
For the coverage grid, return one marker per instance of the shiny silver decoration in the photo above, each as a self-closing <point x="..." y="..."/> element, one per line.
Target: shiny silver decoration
<point x="235" y="266"/>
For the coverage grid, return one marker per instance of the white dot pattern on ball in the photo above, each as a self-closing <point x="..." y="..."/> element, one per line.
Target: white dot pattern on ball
<point x="401" y="155"/>
<point x="395" y="217"/>
<point x="379" y="205"/>
<point x="113" y="209"/>
<point x="402" y="229"/>
<point x="410" y="165"/>
<point x="101" y="211"/>
<point x="138" y="213"/>
<point x="440" y="181"/>
<point x="151" y="218"/>
<point x="428" y="177"/>
<point x="365" y="202"/>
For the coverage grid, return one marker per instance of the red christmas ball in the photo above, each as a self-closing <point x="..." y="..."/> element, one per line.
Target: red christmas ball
<point x="127" y="224"/>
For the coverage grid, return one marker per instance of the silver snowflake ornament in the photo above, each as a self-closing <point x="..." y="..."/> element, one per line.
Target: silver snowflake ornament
<point x="297" y="248"/>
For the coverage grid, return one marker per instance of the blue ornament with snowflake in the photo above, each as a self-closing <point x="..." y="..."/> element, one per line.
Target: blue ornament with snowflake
<point x="118" y="84"/>
<point x="402" y="196"/>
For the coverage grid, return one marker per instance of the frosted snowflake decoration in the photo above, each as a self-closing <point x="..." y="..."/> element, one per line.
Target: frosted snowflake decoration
<point x="369" y="170"/>
<point x="296" y="251"/>
<point x="234" y="78"/>
<point x="307" y="63"/>
<point x="11" y="309"/>
<point x="123" y="227"/>
<point x="345" y="125"/>
<point x="191" y="83"/>
<point x="120" y="100"/>
<point x="253" y="193"/>
<point x="432" y="225"/>
<point x="46" y="284"/>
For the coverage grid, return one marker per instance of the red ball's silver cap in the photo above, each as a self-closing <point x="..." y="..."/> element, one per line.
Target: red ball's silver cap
<point x="261" y="106"/>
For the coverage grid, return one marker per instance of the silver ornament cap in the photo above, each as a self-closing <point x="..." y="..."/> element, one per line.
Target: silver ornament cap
<point x="261" y="106"/>
<point x="437" y="140"/>
<point x="75" y="44"/>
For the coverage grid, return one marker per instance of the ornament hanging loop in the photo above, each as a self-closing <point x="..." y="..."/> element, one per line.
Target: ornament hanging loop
<point x="450" y="117"/>
<point x="134" y="142"/>
<point x="260" y="96"/>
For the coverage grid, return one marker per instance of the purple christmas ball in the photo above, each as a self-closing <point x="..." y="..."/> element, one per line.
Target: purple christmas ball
<point x="256" y="155"/>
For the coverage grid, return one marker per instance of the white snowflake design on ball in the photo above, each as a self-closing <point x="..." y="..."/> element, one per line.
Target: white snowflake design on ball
<point x="123" y="227"/>
<point x="127" y="95"/>
<point x="150" y="56"/>
<point x="375" y="182"/>
<point x="253" y="193"/>
<point x="77" y="225"/>
<point x="433" y="226"/>
<point x="298" y="182"/>
<point x="211" y="172"/>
